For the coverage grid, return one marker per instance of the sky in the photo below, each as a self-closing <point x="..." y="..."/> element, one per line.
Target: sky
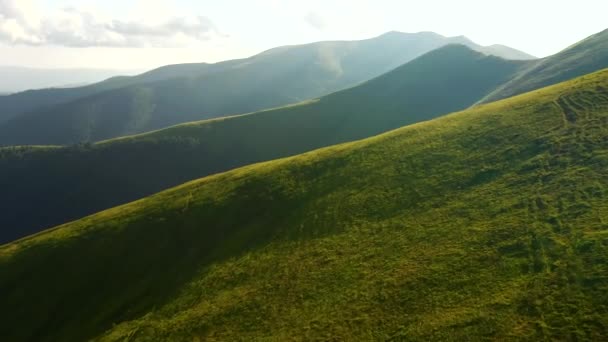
<point x="143" y="34"/>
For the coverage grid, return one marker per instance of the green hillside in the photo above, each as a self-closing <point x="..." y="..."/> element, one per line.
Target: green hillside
<point x="586" y="56"/>
<point x="486" y="224"/>
<point x="43" y="188"/>
<point x="182" y="93"/>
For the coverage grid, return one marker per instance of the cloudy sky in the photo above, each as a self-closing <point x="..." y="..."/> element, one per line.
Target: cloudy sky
<point x="142" y="34"/>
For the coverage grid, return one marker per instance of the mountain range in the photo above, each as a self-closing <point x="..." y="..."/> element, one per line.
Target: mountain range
<point x="175" y="94"/>
<point x="18" y="79"/>
<point x="485" y="224"/>
<point x="47" y="186"/>
<point x="65" y="183"/>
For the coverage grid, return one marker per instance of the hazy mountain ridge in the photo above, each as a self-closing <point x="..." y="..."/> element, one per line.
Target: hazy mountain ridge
<point x="15" y="79"/>
<point x="506" y="52"/>
<point x="27" y="101"/>
<point x="182" y="93"/>
<point x="497" y="50"/>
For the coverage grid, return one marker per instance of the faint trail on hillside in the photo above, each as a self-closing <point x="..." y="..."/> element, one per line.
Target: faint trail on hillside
<point x="567" y="109"/>
<point x="573" y="104"/>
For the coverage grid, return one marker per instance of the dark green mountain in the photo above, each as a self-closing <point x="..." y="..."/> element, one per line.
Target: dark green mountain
<point x="44" y="187"/>
<point x="488" y="224"/>
<point x="579" y="59"/>
<point x="182" y="93"/>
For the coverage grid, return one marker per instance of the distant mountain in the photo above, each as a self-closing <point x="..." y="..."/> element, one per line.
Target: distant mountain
<point x="484" y="225"/>
<point x="18" y="79"/>
<point x="23" y="102"/>
<point x="581" y="58"/>
<point x="505" y="52"/>
<point x="493" y="50"/>
<point x="60" y="184"/>
<point x="182" y="93"/>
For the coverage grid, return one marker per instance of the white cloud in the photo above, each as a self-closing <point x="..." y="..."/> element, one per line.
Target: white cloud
<point x="72" y="27"/>
<point x="315" y="20"/>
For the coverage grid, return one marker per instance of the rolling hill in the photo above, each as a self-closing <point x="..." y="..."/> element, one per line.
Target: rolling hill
<point x="487" y="224"/>
<point x="182" y="93"/>
<point x="43" y="187"/>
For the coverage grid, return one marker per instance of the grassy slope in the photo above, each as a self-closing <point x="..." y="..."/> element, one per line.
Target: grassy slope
<point x="586" y="56"/>
<point x="489" y="223"/>
<point x="274" y="78"/>
<point x="65" y="184"/>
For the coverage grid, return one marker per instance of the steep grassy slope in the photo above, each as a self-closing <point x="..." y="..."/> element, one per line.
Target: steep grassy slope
<point x="487" y="224"/>
<point x="183" y="93"/>
<point x="42" y="188"/>
<point x="586" y="56"/>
